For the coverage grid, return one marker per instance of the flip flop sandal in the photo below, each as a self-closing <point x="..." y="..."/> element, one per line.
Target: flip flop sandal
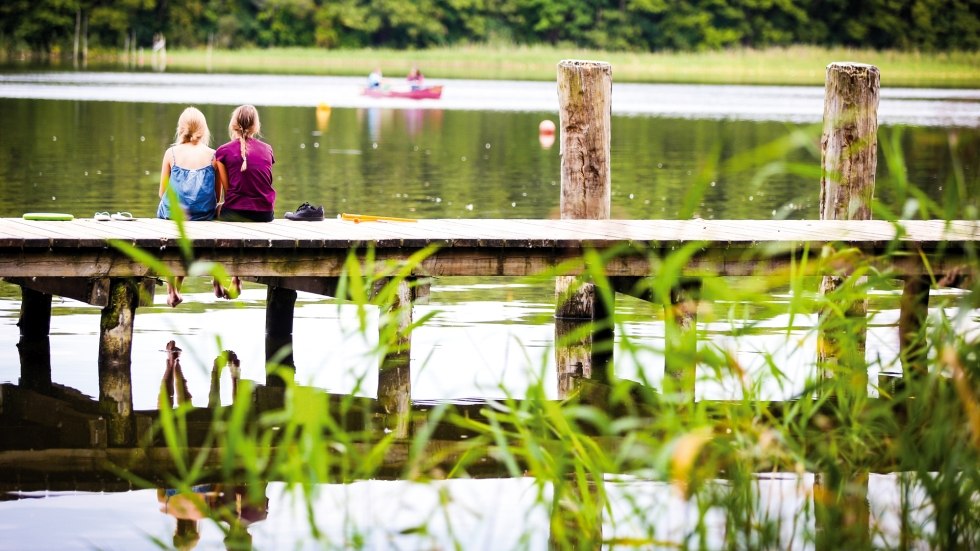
<point x="102" y="216"/>
<point x="123" y="216"/>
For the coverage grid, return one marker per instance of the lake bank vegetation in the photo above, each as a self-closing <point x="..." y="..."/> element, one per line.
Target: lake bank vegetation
<point x="797" y="65"/>
<point x="921" y="43"/>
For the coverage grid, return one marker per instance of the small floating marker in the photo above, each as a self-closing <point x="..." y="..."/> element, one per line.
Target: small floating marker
<point x="546" y="134"/>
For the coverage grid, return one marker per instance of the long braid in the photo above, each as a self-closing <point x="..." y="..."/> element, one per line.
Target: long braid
<point x="244" y="124"/>
<point x="242" y="138"/>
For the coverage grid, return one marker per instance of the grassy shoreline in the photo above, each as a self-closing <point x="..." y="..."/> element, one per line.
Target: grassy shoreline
<point x="797" y="65"/>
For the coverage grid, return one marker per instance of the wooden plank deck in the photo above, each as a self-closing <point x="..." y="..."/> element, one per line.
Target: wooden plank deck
<point x="473" y="247"/>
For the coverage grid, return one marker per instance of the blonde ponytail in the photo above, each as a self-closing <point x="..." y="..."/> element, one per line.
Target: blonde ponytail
<point x="192" y="127"/>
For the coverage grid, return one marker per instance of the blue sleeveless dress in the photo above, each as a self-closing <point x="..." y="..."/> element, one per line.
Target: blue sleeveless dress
<point x="194" y="189"/>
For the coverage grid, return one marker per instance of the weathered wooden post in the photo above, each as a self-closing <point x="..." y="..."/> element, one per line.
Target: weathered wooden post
<point x="576" y="514"/>
<point x="394" y="373"/>
<point x="585" y="114"/>
<point x="913" y="345"/>
<point x="842" y="510"/>
<point x="279" y="307"/>
<point x="849" y="157"/>
<point x="680" y="337"/>
<point x="34" y="346"/>
<point x="115" y="361"/>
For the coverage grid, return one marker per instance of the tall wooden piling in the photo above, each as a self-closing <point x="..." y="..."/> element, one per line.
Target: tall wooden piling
<point x="115" y="361"/>
<point x="585" y="114"/>
<point x="849" y="157"/>
<point x="394" y="373"/>
<point x="279" y="307"/>
<point x="680" y="337"/>
<point x="913" y="345"/>
<point x="34" y="346"/>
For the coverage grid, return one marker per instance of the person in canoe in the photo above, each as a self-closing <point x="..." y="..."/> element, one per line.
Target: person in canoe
<point x="375" y="79"/>
<point x="415" y="79"/>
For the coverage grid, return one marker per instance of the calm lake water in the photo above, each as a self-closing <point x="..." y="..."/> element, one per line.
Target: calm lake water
<point x="82" y="143"/>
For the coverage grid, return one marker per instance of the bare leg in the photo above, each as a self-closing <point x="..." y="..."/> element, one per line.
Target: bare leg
<point x="219" y="291"/>
<point x="172" y="373"/>
<point x="173" y="291"/>
<point x="231" y="292"/>
<point x="236" y="287"/>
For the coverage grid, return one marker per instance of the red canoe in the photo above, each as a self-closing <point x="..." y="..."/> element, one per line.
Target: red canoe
<point x="429" y="92"/>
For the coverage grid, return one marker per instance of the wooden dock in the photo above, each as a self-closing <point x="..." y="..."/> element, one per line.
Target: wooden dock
<point x="477" y="247"/>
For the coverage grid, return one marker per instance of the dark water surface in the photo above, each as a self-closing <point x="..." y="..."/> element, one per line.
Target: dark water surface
<point x="82" y="157"/>
<point x="488" y="337"/>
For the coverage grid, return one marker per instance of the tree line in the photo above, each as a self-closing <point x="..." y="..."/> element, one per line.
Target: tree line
<point x="43" y="26"/>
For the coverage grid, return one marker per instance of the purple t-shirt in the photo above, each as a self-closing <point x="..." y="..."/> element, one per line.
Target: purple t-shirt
<point x="252" y="189"/>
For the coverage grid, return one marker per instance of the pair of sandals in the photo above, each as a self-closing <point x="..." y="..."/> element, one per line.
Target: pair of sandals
<point x="105" y="216"/>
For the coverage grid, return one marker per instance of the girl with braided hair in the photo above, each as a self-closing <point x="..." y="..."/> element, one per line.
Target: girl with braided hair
<point x="245" y="177"/>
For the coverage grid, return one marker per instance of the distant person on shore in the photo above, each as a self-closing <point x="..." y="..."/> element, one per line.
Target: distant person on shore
<point x="245" y="178"/>
<point x="375" y="79"/>
<point x="415" y="79"/>
<point x="188" y="169"/>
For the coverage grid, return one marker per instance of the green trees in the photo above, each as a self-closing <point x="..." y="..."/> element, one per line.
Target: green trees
<point x="641" y="25"/>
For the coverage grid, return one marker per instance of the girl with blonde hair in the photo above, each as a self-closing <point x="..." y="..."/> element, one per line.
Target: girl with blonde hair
<point x="244" y="167"/>
<point x="188" y="171"/>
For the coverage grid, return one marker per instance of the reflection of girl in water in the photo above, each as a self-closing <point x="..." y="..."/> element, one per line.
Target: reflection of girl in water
<point x="174" y="384"/>
<point x="238" y="506"/>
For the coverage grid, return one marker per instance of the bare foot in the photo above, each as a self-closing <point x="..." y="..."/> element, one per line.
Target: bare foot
<point x="173" y="349"/>
<point x="236" y="287"/>
<point x="174" y="298"/>
<point x="235" y="364"/>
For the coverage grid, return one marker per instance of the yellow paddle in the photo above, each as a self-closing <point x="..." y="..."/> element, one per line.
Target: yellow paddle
<point x="357" y="218"/>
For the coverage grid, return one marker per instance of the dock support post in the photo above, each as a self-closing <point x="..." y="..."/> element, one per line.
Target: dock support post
<point x="394" y="373"/>
<point x="680" y="337"/>
<point x="34" y="346"/>
<point x="913" y="345"/>
<point x="279" y="307"/>
<point x="576" y="514"/>
<point x="585" y="114"/>
<point x="115" y="361"/>
<point x="842" y="511"/>
<point x="849" y="157"/>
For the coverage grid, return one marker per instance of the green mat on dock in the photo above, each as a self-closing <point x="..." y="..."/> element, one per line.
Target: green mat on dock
<point x="47" y="216"/>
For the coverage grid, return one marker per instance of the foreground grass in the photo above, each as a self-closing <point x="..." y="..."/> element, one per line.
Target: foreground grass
<point x="799" y="65"/>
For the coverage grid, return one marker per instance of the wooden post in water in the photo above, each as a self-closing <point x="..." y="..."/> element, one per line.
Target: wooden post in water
<point x="115" y="361"/>
<point x="280" y="303"/>
<point x="34" y="346"/>
<point x="680" y="338"/>
<point x="585" y="114"/>
<point x="394" y="374"/>
<point x="576" y="514"/>
<point x="849" y="157"/>
<point x="912" y="341"/>
<point x="842" y="510"/>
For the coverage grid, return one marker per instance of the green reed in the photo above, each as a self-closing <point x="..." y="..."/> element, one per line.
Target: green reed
<point x="620" y="436"/>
